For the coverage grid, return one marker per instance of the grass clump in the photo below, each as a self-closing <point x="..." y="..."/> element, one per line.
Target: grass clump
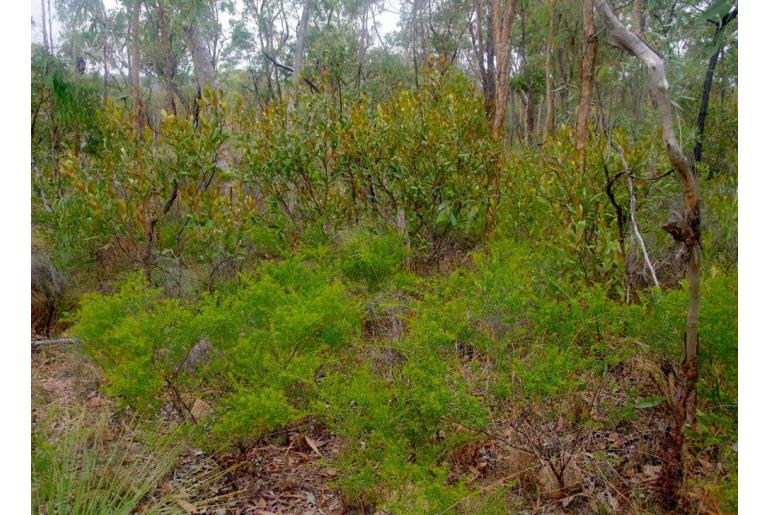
<point x="92" y="469"/>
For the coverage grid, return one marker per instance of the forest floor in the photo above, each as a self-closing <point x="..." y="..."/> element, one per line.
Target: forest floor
<point x="293" y="471"/>
<point x="292" y="475"/>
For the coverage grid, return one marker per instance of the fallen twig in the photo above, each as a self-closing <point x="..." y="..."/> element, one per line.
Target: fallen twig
<point x="55" y="341"/>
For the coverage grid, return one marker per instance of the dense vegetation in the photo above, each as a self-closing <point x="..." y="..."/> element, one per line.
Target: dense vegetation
<point x="486" y="320"/>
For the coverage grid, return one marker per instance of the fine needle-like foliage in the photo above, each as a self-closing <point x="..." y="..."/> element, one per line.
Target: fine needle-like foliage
<point x="92" y="468"/>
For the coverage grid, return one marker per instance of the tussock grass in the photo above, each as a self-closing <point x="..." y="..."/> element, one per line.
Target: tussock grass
<point x="93" y="467"/>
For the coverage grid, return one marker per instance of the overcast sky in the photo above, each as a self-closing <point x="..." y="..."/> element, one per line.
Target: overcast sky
<point x="388" y="20"/>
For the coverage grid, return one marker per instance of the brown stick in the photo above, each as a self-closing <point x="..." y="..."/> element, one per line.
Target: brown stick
<point x="54" y="341"/>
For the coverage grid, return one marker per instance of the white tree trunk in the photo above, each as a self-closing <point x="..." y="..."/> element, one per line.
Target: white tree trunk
<point x="299" y="54"/>
<point x="202" y="62"/>
<point x="685" y="228"/>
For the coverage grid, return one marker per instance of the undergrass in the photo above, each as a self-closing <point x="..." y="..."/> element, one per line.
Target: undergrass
<point x="93" y="468"/>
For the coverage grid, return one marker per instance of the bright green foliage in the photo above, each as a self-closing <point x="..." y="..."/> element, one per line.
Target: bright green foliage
<point x="397" y="431"/>
<point x="550" y="370"/>
<point x="268" y="338"/>
<point x="371" y="257"/>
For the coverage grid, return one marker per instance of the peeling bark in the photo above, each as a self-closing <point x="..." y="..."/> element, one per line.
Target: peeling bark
<point x="587" y="66"/>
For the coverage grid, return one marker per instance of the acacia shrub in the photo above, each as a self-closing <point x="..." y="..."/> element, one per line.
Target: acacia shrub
<point x="396" y="433"/>
<point x="268" y="338"/>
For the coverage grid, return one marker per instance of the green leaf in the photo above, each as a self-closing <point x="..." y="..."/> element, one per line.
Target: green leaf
<point x="717" y="10"/>
<point x="649" y="402"/>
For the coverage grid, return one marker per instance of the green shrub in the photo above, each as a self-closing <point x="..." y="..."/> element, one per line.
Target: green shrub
<point x="549" y="370"/>
<point x="268" y="337"/>
<point x="370" y="257"/>
<point x="398" y="432"/>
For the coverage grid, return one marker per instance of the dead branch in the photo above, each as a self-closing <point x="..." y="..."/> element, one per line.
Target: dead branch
<point x="632" y="210"/>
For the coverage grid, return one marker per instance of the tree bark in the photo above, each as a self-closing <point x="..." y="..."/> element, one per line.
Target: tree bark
<point x="637" y="20"/>
<point x="549" y="112"/>
<point x="502" y="16"/>
<point x="168" y="62"/>
<point x="202" y="62"/>
<point x="586" y="86"/>
<point x="45" y="29"/>
<point x="299" y="54"/>
<point x="685" y="228"/>
<point x="415" y="36"/>
<point x="364" y="41"/>
<point x="502" y="21"/>
<point x="50" y="26"/>
<point x="700" y="125"/>
<point x="136" y="99"/>
<point x="484" y="50"/>
<point x="105" y="67"/>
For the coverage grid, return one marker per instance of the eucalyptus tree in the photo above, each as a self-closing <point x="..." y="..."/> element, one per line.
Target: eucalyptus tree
<point x="135" y="38"/>
<point x="90" y="33"/>
<point x="721" y="13"/>
<point x="684" y="227"/>
<point x="587" y="66"/>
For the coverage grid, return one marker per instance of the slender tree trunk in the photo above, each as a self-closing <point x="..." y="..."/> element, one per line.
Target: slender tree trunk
<point x="490" y="51"/>
<point x="502" y="20"/>
<point x="362" y="44"/>
<point x="105" y="67"/>
<point x="45" y="28"/>
<point x="637" y="88"/>
<point x="585" y="94"/>
<point x="104" y="39"/>
<point x="168" y="62"/>
<point x="685" y="229"/>
<point x="403" y="229"/>
<point x="136" y="99"/>
<point x="50" y="25"/>
<point x="530" y="115"/>
<point x="414" y="36"/>
<point x="482" y="51"/>
<point x="700" y="125"/>
<point x="299" y="54"/>
<point x="637" y="20"/>
<point x="502" y="16"/>
<point x="632" y="218"/>
<point x="549" y="112"/>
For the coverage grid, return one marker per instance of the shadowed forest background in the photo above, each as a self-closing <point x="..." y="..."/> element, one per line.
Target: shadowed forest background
<point x="285" y="261"/>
